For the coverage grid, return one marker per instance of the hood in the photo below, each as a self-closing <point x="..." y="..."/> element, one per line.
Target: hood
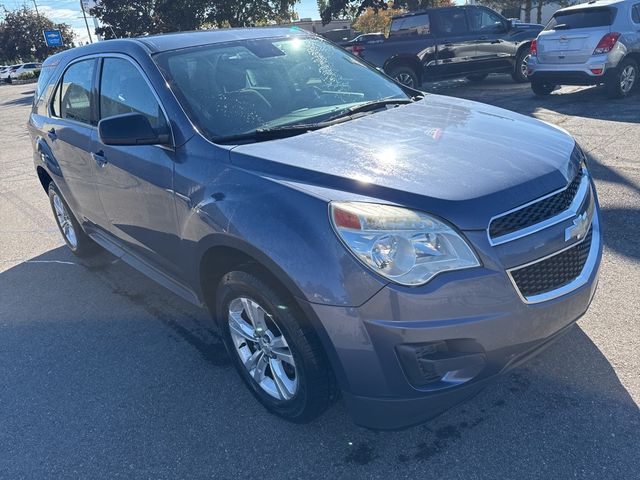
<point x="461" y="160"/>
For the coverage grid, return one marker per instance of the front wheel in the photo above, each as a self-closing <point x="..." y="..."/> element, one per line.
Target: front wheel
<point x="406" y="76"/>
<point x="624" y="81"/>
<point x="542" y="89"/>
<point x="521" y="67"/>
<point x="273" y="347"/>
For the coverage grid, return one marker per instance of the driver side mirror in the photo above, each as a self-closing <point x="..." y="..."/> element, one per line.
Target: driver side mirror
<point x="131" y="129"/>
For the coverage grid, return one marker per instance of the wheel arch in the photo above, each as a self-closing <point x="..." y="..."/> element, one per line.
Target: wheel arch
<point x="410" y="61"/>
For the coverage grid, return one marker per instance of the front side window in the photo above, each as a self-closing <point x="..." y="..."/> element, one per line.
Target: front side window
<point x="482" y="20"/>
<point x="413" y="25"/>
<point x="73" y="99"/>
<point x="239" y="87"/>
<point x="123" y="89"/>
<point x="635" y="13"/>
<point x="452" y="22"/>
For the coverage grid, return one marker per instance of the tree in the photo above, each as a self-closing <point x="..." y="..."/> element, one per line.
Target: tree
<point x="128" y="18"/>
<point x="22" y="37"/>
<point x="337" y="7"/>
<point x="375" y="21"/>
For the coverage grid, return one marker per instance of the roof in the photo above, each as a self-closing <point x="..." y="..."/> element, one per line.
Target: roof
<point x="426" y="10"/>
<point x="593" y="4"/>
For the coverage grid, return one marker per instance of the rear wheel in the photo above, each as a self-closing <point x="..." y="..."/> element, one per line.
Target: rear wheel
<point x="273" y="347"/>
<point x="542" y="89"/>
<point x="624" y="81"/>
<point x="477" y="77"/>
<point x="78" y="242"/>
<point x="521" y="67"/>
<point x="406" y="76"/>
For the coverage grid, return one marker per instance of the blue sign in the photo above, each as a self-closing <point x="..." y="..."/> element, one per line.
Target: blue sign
<point x="53" y="38"/>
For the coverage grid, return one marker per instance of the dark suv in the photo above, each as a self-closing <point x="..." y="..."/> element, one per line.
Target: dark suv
<point x="469" y="41"/>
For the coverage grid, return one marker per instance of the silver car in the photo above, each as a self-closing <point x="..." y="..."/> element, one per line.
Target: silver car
<point x="589" y="44"/>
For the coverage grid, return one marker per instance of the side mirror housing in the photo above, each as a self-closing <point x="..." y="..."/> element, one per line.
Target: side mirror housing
<point x="130" y="129"/>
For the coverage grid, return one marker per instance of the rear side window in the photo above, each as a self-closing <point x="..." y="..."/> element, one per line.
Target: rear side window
<point x="452" y="22"/>
<point x="123" y="89"/>
<point x="585" y="18"/>
<point x="43" y="79"/>
<point x="482" y="20"/>
<point x="635" y="13"/>
<point x="73" y="99"/>
<point x="413" y="25"/>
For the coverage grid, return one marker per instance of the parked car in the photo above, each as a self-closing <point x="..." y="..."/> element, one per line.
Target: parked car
<point x="471" y="41"/>
<point x="589" y="44"/>
<point x="367" y="38"/>
<point x="4" y="75"/>
<point x="16" y="70"/>
<point x="348" y="234"/>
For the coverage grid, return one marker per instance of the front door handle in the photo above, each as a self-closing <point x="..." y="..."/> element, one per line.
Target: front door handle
<point x="100" y="159"/>
<point x="483" y="37"/>
<point x="52" y="135"/>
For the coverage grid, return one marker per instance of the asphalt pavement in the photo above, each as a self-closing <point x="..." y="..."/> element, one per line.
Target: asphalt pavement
<point x="104" y="374"/>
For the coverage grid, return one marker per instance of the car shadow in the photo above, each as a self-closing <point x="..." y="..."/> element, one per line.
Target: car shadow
<point x="27" y="99"/>
<point x="103" y="369"/>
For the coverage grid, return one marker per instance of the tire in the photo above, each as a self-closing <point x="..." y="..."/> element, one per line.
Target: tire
<point x="304" y="386"/>
<point x="625" y="79"/>
<point x="542" y="89"/>
<point x="477" y="77"/>
<point x="78" y="242"/>
<point x="519" y="73"/>
<point x="406" y="76"/>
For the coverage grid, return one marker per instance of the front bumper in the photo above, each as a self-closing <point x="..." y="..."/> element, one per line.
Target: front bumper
<point x="472" y="324"/>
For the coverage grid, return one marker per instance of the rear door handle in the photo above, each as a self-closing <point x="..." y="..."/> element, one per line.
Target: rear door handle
<point x="99" y="157"/>
<point x="52" y="135"/>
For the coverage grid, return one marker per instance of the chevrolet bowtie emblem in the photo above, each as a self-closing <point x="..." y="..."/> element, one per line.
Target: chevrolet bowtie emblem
<point x="579" y="228"/>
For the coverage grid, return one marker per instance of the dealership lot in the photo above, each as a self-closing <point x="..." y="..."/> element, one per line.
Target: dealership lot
<point x="106" y="374"/>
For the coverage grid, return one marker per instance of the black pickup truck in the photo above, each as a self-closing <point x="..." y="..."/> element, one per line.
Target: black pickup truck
<point x="433" y="44"/>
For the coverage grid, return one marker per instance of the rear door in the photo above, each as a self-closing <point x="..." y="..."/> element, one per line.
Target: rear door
<point x="68" y="130"/>
<point x="135" y="183"/>
<point x="455" y="43"/>
<point x="571" y="36"/>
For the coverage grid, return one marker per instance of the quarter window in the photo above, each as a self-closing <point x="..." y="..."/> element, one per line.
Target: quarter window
<point x="73" y="99"/>
<point x="123" y="89"/>
<point x="635" y="13"/>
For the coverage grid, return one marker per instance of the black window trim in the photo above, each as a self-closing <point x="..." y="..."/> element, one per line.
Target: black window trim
<point x="95" y="91"/>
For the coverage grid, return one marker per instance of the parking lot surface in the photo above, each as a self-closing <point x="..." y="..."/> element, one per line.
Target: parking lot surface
<point x="105" y="374"/>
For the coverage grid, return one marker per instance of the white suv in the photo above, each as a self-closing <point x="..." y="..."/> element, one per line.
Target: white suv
<point x="16" y="70"/>
<point x="589" y="44"/>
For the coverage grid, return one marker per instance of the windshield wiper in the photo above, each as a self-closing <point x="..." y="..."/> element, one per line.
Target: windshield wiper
<point x="272" y="133"/>
<point x="376" y="104"/>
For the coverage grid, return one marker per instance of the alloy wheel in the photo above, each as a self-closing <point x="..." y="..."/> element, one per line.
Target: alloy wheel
<point x="262" y="348"/>
<point x="524" y="66"/>
<point x="627" y="78"/>
<point x="405" y="79"/>
<point x="64" y="221"/>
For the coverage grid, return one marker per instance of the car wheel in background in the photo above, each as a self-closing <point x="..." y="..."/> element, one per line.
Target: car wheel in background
<point x="519" y="73"/>
<point x="542" y="89"/>
<point x="406" y="76"/>
<point x="625" y="79"/>
<point x="75" y="238"/>
<point x="477" y="77"/>
<point x="273" y="347"/>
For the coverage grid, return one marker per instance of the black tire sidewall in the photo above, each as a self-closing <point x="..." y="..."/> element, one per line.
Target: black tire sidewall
<point x="613" y="83"/>
<point x="516" y="74"/>
<point x="542" y="89"/>
<point x="240" y="283"/>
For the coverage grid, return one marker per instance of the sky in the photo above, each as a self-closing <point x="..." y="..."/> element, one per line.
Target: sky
<point x="68" y="11"/>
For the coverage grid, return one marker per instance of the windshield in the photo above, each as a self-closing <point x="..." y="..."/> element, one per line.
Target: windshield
<point x="238" y="87"/>
<point x="585" y="18"/>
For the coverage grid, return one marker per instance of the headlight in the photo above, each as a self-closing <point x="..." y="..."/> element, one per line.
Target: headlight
<point x="405" y="246"/>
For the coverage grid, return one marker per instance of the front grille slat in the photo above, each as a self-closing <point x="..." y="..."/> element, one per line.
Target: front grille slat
<point x="536" y="212"/>
<point x="553" y="272"/>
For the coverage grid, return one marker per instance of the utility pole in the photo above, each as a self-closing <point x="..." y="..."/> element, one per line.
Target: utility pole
<point x="36" y="5"/>
<point x="84" y="14"/>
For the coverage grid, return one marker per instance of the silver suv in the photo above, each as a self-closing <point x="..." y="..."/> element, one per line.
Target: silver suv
<point x="589" y="44"/>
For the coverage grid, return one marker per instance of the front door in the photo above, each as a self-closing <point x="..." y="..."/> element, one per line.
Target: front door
<point x="135" y="183"/>
<point x="493" y="53"/>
